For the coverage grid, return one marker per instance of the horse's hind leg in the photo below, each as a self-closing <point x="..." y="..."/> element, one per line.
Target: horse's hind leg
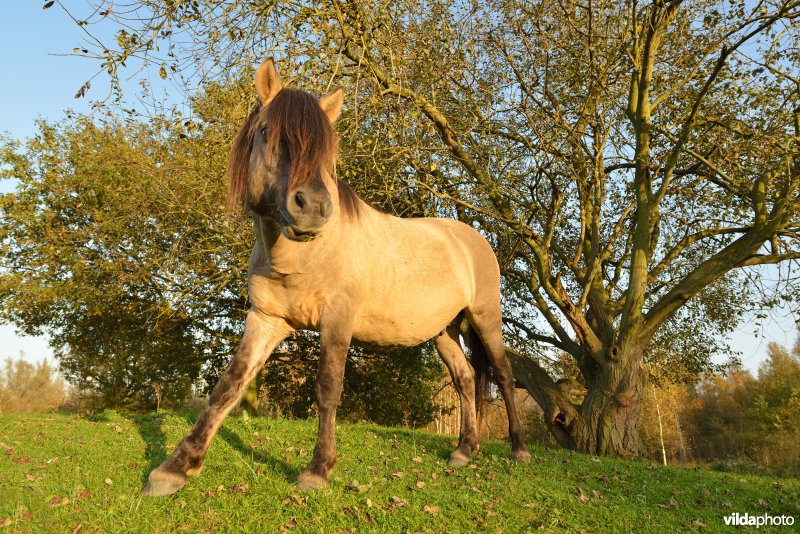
<point x="261" y="336"/>
<point x="463" y="375"/>
<point x="488" y="325"/>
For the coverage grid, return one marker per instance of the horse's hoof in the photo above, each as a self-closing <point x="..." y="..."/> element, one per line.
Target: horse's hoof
<point x="521" y="456"/>
<point x="308" y="481"/>
<point x="163" y="483"/>
<point x="458" y="459"/>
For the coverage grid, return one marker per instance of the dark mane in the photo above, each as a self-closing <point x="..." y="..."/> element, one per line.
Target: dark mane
<point x="297" y="125"/>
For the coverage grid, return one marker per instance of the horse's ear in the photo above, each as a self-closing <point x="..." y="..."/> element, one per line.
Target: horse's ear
<point x="268" y="82"/>
<point x="332" y="104"/>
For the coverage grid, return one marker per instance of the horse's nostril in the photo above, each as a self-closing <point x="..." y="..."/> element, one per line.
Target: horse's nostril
<point x="300" y="199"/>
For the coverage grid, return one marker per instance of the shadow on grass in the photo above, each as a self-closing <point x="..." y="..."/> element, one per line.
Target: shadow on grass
<point x="246" y="452"/>
<point x="155" y="448"/>
<point x="439" y="445"/>
<point x="150" y="429"/>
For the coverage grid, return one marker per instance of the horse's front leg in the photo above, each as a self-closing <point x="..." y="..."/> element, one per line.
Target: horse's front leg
<point x="335" y="338"/>
<point x="261" y="335"/>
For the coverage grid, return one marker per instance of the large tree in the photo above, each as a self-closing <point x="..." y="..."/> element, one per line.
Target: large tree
<point x="633" y="162"/>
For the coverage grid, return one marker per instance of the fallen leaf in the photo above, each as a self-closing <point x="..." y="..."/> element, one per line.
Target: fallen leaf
<point x="57" y="501"/>
<point x="85" y="494"/>
<point x="581" y="496"/>
<point x="133" y="465"/>
<point x="434" y="475"/>
<point x="420" y="484"/>
<point x="398" y="474"/>
<point x="4" y="522"/>
<point x="30" y="477"/>
<point x="291" y="523"/>
<point x="9" y="451"/>
<point x="433" y="510"/>
<point x="27" y="516"/>
<point x="293" y="498"/>
<point x="78" y="529"/>
<point x="416" y="459"/>
<point x="117" y="429"/>
<point x="25" y="460"/>
<point x="369" y="503"/>
<point x="672" y="504"/>
<point x="109" y="482"/>
<point x="597" y="494"/>
<point x="241" y="487"/>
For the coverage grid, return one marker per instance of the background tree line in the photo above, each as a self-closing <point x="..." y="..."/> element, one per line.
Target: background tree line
<point x="27" y="387"/>
<point x="633" y="164"/>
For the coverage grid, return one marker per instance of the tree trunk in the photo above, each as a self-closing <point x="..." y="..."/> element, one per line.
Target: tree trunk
<point x="606" y="422"/>
<point x="609" y="415"/>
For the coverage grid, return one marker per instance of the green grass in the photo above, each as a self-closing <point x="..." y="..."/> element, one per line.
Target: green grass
<point x="59" y="472"/>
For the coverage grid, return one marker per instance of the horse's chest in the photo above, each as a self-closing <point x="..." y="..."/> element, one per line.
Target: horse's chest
<point x="288" y="298"/>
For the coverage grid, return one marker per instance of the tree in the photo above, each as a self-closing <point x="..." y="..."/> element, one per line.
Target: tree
<point x="739" y="416"/>
<point x="115" y="244"/>
<point x="633" y="163"/>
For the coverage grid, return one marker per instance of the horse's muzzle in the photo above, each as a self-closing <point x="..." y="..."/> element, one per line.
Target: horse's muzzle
<point x="295" y="234"/>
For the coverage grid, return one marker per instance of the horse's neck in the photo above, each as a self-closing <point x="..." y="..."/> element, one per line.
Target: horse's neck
<point x="281" y="255"/>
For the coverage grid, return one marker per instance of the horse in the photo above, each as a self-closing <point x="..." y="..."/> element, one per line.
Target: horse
<point x="325" y="260"/>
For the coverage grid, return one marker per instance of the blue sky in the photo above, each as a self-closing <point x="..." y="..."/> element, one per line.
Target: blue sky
<point x="38" y="83"/>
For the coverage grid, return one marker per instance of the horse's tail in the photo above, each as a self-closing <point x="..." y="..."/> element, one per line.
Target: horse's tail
<point x="479" y="359"/>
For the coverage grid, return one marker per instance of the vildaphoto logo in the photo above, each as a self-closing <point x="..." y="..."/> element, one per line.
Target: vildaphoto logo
<point x="746" y="520"/>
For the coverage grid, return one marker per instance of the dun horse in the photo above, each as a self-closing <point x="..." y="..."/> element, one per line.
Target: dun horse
<point x="324" y="260"/>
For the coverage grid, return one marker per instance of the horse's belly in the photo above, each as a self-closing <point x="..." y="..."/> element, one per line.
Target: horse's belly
<point x="404" y="326"/>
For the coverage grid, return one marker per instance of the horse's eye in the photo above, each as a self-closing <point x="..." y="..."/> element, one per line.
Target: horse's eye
<point x="264" y="133"/>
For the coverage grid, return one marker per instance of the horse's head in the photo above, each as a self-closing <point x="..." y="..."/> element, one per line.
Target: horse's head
<point x="283" y="160"/>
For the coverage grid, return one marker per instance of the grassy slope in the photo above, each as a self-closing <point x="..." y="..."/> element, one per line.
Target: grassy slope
<point x="58" y="472"/>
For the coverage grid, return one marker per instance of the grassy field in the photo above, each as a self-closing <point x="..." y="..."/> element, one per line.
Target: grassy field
<point x="62" y="473"/>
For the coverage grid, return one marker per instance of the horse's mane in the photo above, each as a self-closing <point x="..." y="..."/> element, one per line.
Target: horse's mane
<point x="299" y="126"/>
